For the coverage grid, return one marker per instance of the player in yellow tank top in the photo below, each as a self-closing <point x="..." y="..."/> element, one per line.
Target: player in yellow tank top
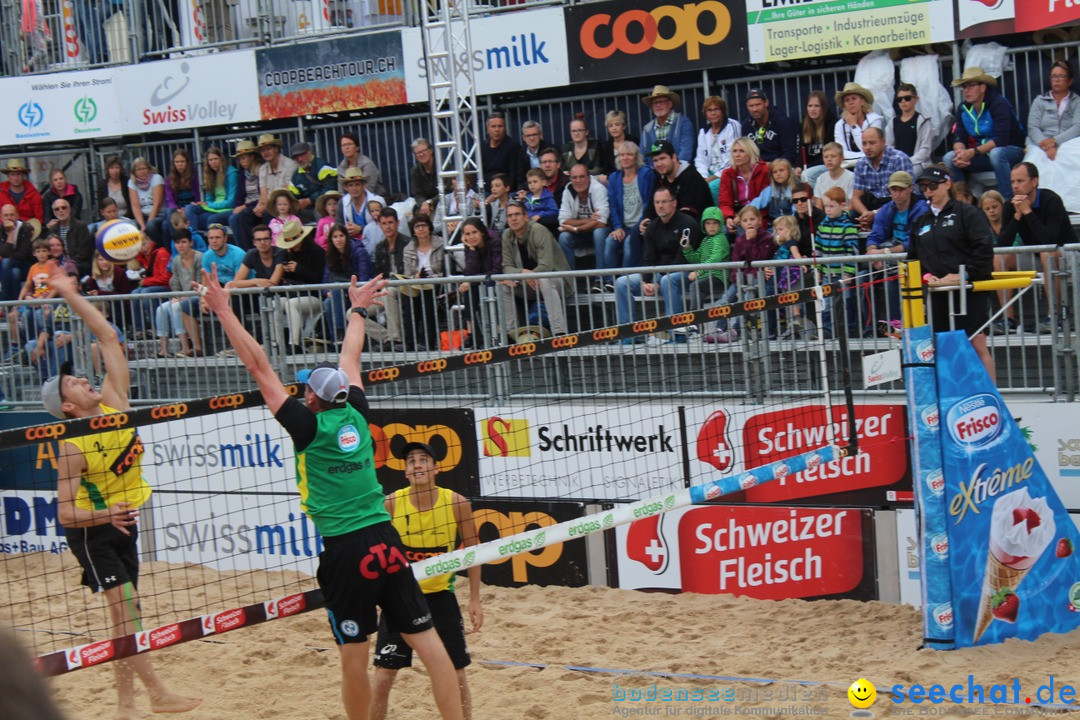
<point x="431" y="521"/>
<point x="99" y="490"/>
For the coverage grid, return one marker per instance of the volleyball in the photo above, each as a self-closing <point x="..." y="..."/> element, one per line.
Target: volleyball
<point x="118" y="241"/>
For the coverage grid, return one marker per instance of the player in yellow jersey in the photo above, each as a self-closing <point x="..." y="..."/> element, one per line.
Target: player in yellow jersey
<point x="431" y="520"/>
<point x="99" y="494"/>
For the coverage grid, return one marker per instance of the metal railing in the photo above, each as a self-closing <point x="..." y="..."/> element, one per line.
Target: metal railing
<point x="426" y="319"/>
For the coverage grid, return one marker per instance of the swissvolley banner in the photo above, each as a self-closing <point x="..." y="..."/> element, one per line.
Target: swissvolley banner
<point x="1012" y="547"/>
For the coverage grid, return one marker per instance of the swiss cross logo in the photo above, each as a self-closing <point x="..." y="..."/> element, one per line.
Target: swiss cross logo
<point x="713" y="446"/>
<point x="645" y="543"/>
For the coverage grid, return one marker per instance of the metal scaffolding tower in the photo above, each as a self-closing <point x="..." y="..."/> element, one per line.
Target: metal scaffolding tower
<point x="452" y="95"/>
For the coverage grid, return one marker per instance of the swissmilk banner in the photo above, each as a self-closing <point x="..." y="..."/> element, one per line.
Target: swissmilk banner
<point x="1012" y="546"/>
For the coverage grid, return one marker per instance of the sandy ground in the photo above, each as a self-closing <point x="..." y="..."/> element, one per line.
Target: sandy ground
<point x="289" y="668"/>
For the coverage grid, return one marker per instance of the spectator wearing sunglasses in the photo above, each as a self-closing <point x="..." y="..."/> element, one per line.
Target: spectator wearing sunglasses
<point x="910" y="131"/>
<point x="948" y="235"/>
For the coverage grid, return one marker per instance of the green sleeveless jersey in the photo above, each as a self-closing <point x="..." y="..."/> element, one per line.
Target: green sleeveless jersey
<point x="336" y="475"/>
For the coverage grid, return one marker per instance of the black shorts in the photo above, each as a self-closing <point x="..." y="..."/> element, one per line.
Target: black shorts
<point x="978" y="311"/>
<point x="393" y="653"/>
<point x="364" y="569"/>
<point x="108" y="557"/>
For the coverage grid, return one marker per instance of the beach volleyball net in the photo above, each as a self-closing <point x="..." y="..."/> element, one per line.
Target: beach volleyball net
<point x="224" y="544"/>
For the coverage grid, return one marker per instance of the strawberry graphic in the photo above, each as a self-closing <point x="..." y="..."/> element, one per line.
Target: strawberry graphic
<point x="1005" y="605"/>
<point x="1064" y="548"/>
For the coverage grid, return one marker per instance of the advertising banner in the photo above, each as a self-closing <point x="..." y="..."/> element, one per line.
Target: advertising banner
<point x="510" y="53"/>
<point x="907" y="557"/>
<point x="784" y="31"/>
<point x="637" y="38"/>
<point x="1013" y="562"/>
<point x="727" y="440"/>
<point x="1054" y="436"/>
<point x="985" y="18"/>
<point x="769" y="553"/>
<point x="190" y="92"/>
<point x="62" y="106"/>
<point x="341" y="73"/>
<point x="580" y="452"/>
<point x="225" y="492"/>
<point x="558" y="564"/>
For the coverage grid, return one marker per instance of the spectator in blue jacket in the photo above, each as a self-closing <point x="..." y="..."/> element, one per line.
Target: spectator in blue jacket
<point x="629" y="195"/>
<point x="988" y="135"/>
<point x="774" y="132"/>
<point x="220" y="182"/>
<point x="668" y="124"/>
<point x="892" y="234"/>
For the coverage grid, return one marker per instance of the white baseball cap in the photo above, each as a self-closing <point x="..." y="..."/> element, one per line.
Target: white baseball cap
<point x="326" y="381"/>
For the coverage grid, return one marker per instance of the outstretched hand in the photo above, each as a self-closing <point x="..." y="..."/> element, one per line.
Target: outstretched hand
<point x="213" y="294"/>
<point x="369" y="293"/>
<point x="64" y="284"/>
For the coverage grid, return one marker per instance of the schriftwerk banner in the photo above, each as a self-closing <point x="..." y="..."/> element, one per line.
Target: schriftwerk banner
<point x="928" y="481"/>
<point x="782" y="31"/>
<point x="1012" y="560"/>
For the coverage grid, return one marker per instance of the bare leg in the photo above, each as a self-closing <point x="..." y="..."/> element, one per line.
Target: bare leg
<point x="466" y="696"/>
<point x="355" y="685"/>
<point x="444" y="681"/>
<point x="979" y="343"/>
<point x="380" y="692"/>
<point x="124" y="609"/>
<point x="192" y="332"/>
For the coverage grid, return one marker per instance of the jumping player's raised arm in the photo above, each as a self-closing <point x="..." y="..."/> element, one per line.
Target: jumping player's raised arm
<point x="115" y="387"/>
<point x="248" y="349"/>
<point x="362" y="296"/>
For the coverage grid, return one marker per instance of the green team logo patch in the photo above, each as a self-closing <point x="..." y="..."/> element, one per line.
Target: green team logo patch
<point x="348" y="438"/>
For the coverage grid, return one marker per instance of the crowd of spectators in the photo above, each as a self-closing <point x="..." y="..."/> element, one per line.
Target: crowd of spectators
<point x="840" y="181"/>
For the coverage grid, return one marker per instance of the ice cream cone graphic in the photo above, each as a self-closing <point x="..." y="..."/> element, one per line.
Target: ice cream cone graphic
<point x="1021" y="528"/>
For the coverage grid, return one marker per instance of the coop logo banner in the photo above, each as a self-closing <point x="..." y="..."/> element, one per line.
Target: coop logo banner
<point x="634" y="38"/>
<point x="510" y="53"/>
<point x="769" y="553"/>
<point x="190" y="92"/>
<point x="337" y="74"/>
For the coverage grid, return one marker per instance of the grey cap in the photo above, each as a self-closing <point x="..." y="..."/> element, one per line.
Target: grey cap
<point x="50" y="394"/>
<point x="299" y="149"/>
<point x="329" y="383"/>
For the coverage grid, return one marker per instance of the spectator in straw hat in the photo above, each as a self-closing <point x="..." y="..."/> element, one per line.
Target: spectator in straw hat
<point x="277" y="170"/>
<point x="774" y="132"/>
<point x="20" y="193"/>
<point x="305" y="263"/>
<point x="988" y="135"/>
<point x="856" y="106"/>
<point x="353" y="210"/>
<point x="282" y="205"/>
<point x="667" y="124"/>
<point x="249" y="210"/>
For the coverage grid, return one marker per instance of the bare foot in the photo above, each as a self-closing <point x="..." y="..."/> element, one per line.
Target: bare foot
<point x="127" y="713"/>
<point x="173" y="703"/>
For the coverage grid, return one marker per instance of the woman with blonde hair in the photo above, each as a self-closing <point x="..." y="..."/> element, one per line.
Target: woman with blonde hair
<point x="856" y="105"/>
<point x="615" y="122"/>
<point x="146" y="193"/>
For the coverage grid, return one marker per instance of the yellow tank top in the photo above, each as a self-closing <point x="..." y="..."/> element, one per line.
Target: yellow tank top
<point x="113" y="466"/>
<point x="427" y="534"/>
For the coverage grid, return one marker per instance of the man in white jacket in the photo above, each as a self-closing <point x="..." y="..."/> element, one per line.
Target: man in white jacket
<point x="583" y="222"/>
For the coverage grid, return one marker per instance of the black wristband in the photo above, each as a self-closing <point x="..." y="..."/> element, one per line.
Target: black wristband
<point x="361" y="311"/>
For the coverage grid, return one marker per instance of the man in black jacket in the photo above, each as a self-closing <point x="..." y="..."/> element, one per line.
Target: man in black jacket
<point x="691" y="191"/>
<point x="501" y="153"/>
<point x="663" y="241"/>
<point x="774" y="132"/>
<point x="948" y="235"/>
<point x="78" y="244"/>
<point x="1038" y="216"/>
